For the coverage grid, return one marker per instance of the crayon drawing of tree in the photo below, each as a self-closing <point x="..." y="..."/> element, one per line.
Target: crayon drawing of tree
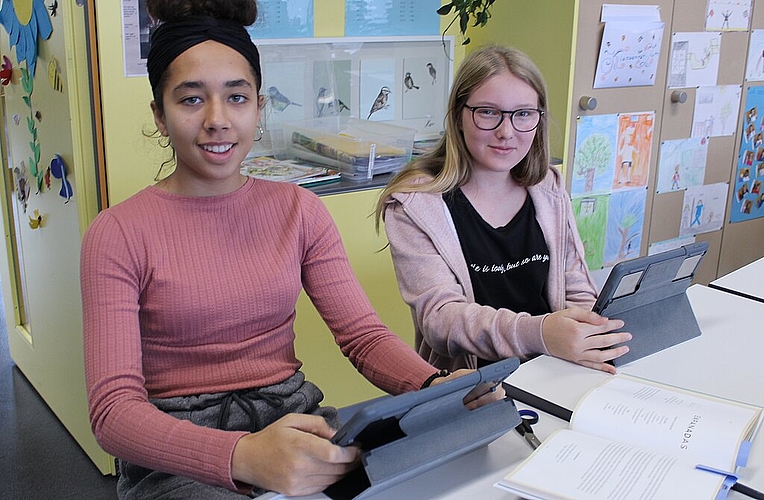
<point x="592" y="158"/>
<point x="591" y="219"/>
<point x="627" y="235"/>
<point x="626" y="215"/>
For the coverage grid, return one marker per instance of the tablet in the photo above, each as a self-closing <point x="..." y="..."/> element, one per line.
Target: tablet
<point x="648" y="294"/>
<point x="377" y="423"/>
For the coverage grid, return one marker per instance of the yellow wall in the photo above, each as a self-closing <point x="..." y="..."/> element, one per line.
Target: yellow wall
<point x="527" y="20"/>
<point x="323" y="362"/>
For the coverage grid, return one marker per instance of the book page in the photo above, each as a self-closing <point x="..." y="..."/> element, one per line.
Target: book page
<point x="570" y="465"/>
<point x="696" y="427"/>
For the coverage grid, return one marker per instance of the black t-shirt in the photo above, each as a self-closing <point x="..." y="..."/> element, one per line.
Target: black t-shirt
<point x="509" y="265"/>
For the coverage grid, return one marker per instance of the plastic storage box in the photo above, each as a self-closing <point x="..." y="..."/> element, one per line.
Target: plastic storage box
<point x="359" y="149"/>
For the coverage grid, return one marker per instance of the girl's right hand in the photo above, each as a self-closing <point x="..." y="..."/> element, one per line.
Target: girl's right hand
<point x="582" y="336"/>
<point x="293" y="456"/>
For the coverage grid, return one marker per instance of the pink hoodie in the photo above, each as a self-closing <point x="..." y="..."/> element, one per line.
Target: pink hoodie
<point x="451" y="329"/>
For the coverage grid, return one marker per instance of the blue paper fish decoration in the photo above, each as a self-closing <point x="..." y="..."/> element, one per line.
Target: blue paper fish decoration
<point x="58" y="169"/>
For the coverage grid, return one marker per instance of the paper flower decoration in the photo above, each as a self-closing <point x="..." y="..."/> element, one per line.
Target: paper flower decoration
<point x="6" y="71"/>
<point x="26" y="21"/>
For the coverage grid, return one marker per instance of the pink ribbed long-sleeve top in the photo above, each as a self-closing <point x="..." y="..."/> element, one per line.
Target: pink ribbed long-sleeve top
<point x="193" y="295"/>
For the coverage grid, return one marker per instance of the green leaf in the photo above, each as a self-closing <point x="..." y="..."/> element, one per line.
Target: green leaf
<point x="466" y="41"/>
<point x="446" y="9"/>
<point x="464" y="20"/>
<point x="27" y="101"/>
<point x="30" y="125"/>
<point x="32" y="167"/>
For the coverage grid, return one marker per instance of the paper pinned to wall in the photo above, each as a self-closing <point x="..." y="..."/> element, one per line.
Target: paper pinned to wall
<point x="631" y="46"/>
<point x="728" y="15"/>
<point x="694" y="59"/>
<point x="754" y="70"/>
<point x="716" y="110"/>
<point x="703" y="209"/>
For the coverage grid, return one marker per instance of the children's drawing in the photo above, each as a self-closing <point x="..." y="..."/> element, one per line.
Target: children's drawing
<point x="626" y="217"/>
<point x="682" y="164"/>
<point x="591" y="219"/>
<point x="754" y="69"/>
<point x="694" y="59"/>
<point x="594" y="157"/>
<point x="703" y="208"/>
<point x="747" y="202"/>
<point x="629" y="54"/>
<point x="716" y="110"/>
<point x="377" y="84"/>
<point x="634" y="147"/>
<point x="728" y="15"/>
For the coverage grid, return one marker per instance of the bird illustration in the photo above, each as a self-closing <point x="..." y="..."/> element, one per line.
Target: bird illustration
<point x="279" y="101"/>
<point x="324" y="102"/>
<point x="409" y="82"/>
<point x="380" y="102"/>
<point x="341" y="106"/>
<point x="433" y="73"/>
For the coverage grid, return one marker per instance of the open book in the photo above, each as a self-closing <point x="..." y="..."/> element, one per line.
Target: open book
<point x="636" y="439"/>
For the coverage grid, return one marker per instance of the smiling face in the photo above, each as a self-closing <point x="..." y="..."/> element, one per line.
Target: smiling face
<point x="501" y="149"/>
<point x="211" y="110"/>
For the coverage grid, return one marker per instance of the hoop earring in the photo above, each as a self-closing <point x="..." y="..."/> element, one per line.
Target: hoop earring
<point x="260" y="133"/>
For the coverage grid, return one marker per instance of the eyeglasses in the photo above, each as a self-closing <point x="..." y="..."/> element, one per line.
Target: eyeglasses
<point x="488" y="118"/>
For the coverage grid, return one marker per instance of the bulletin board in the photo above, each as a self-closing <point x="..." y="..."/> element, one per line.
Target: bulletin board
<point x="398" y="80"/>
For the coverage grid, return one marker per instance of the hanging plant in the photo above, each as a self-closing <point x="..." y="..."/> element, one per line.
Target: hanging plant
<point x="469" y="13"/>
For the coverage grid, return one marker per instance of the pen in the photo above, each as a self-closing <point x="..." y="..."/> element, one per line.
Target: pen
<point x="748" y="491"/>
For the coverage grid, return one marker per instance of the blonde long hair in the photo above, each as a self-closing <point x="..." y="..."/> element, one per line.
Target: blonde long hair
<point x="449" y="164"/>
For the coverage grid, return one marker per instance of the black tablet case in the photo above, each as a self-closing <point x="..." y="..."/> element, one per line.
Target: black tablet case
<point x="657" y="313"/>
<point x="427" y="436"/>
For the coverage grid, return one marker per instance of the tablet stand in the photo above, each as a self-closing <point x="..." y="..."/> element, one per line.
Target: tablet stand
<point x="659" y="319"/>
<point x="427" y="436"/>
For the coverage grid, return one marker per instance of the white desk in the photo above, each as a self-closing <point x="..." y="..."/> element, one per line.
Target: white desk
<point x="748" y="281"/>
<point x="724" y="360"/>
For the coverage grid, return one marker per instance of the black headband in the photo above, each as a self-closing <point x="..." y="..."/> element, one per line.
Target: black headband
<point x="171" y="39"/>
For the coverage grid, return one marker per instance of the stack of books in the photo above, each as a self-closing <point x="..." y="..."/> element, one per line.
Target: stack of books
<point x="272" y="169"/>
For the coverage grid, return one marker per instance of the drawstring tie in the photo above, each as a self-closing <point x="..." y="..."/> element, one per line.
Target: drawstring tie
<point x="246" y="401"/>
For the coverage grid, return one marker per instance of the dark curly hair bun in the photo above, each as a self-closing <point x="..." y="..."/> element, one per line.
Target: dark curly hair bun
<point x="243" y="12"/>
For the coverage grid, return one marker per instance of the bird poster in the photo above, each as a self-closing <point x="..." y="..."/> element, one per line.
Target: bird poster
<point x="332" y="88"/>
<point x="377" y="95"/>
<point x="421" y="97"/>
<point x="285" y="90"/>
